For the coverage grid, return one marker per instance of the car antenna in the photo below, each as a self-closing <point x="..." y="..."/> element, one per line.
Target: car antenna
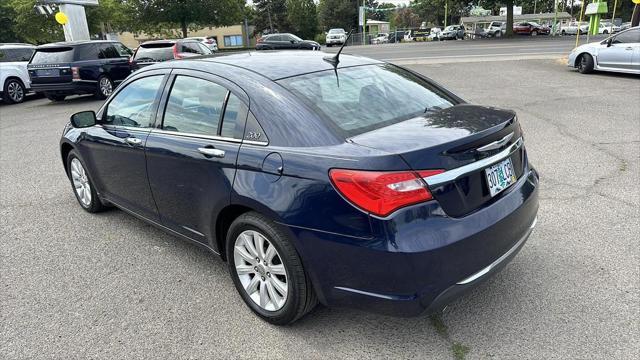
<point x="335" y="59"/>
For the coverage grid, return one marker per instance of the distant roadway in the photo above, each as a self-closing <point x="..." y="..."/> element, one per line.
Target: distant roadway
<point x="519" y="47"/>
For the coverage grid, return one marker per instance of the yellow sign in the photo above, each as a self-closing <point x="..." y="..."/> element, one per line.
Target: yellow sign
<point x="61" y="18"/>
<point x="636" y="1"/>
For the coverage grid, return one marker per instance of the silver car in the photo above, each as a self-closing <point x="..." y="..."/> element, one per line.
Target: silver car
<point x="619" y="53"/>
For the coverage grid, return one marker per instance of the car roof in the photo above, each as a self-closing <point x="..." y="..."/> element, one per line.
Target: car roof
<point x="16" y="45"/>
<point x="282" y="64"/>
<point x="75" y="43"/>
<point x="168" y="41"/>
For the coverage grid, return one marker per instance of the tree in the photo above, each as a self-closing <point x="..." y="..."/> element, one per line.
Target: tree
<point x="302" y="17"/>
<point x="154" y="15"/>
<point x="338" y="14"/>
<point x="29" y="26"/>
<point x="405" y="17"/>
<point x="271" y="15"/>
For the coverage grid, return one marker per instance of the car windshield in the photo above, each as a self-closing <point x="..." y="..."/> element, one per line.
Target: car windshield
<point x="363" y="98"/>
<point x="295" y="37"/>
<point x="53" y="55"/>
<point x="336" y="31"/>
<point x="449" y="28"/>
<point x="154" y="52"/>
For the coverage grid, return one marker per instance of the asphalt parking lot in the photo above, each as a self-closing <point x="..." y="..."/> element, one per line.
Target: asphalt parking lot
<point x="76" y="285"/>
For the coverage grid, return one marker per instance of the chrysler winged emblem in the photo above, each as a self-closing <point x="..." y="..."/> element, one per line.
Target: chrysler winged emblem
<point x="496" y="144"/>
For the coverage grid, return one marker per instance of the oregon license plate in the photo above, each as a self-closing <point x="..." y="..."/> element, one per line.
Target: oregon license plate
<point x="500" y="176"/>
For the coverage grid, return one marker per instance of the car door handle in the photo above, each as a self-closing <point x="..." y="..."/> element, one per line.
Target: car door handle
<point x="133" y="141"/>
<point x="211" y="152"/>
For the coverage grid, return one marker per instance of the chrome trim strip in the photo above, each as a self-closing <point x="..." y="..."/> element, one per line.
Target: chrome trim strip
<point x="515" y="247"/>
<point x="198" y="136"/>
<point x="496" y="144"/>
<point x="453" y="174"/>
<point x="381" y="296"/>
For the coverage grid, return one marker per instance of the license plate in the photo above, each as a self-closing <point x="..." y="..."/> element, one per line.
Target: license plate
<point x="500" y="176"/>
<point x="48" y="72"/>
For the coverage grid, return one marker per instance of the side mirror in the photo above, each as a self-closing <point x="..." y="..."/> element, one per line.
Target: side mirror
<point x="293" y="41"/>
<point x="609" y="42"/>
<point x="83" y="119"/>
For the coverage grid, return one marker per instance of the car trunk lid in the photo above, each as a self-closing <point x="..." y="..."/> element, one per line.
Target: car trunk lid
<point x="51" y="65"/>
<point x="463" y="140"/>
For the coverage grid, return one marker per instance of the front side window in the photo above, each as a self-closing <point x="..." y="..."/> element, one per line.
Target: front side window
<point x="190" y="47"/>
<point x="203" y="49"/>
<point x="194" y="106"/>
<point x="363" y="98"/>
<point x="122" y="50"/>
<point x="627" y="37"/>
<point x="133" y="105"/>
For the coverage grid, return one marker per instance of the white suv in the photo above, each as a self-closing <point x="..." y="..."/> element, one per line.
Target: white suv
<point x="14" y="77"/>
<point x="336" y="37"/>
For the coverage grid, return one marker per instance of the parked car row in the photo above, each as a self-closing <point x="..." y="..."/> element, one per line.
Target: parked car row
<point x="286" y="41"/>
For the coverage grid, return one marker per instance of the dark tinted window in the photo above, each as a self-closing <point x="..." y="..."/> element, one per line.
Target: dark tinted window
<point x="367" y="97"/>
<point x="154" y="52"/>
<point x="108" y="51"/>
<point x="53" y="55"/>
<point x="253" y="131"/>
<point x="87" y="52"/>
<point x="17" y="54"/>
<point x="631" y="36"/>
<point x="133" y="106"/>
<point x="235" y="114"/>
<point x="275" y="38"/>
<point x="190" y="47"/>
<point x="122" y="50"/>
<point x="194" y="106"/>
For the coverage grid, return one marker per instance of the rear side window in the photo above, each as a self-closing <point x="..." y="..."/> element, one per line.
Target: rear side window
<point x="194" y="106"/>
<point x="235" y="113"/>
<point x="363" y="98"/>
<point x="88" y="52"/>
<point x="203" y="49"/>
<point x="191" y="47"/>
<point x="133" y="106"/>
<point x="17" y="54"/>
<point x="108" y="51"/>
<point x="53" y="55"/>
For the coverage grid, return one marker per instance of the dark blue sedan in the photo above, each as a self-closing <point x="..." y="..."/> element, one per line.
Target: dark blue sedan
<point x="353" y="183"/>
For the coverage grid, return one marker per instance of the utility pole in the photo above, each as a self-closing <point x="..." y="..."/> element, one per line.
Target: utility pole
<point x="446" y="10"/>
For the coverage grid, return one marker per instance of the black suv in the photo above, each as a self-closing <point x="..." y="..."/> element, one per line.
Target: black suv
<point x="151" y="52"/>
<point x="79" y="67"/>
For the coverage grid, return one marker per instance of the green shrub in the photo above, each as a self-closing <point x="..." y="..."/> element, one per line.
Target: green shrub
<point x="321" y="38"/>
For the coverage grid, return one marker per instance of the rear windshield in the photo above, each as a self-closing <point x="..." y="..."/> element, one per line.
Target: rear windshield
<point x="363" y="98"/>
<point x="53" y="55"/>
<point x="16" y="54"/>
<point x="154" y="52"/>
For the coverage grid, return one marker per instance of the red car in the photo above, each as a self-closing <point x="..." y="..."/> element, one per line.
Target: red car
<point x="530" y="28"/>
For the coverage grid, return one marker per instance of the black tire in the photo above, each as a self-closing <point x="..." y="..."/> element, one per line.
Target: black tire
<point x="605" y="32"/>
<point x="329" y="45"/>
<point x="301" y="297"/>
<point x="95" y="205"/>
<point x="585" y="63"/>
<point x="55" y="98"/>
<point x="563" y="33"/>
<point x="104" y="90"/>
<point x="14" y="91"/>
<point x="534" y="33"/>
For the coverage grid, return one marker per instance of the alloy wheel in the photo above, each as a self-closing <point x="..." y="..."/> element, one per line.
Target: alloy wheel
<point x="81" y="182"/>
<point x="106" y="88"/>
<point x="260" y="270"/>
<point x="15" y="91"/>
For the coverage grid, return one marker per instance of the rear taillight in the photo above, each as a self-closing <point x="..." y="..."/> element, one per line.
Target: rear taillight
<point x="176" y="55"/>
<point x="75" y="73"/>
<point x="209" y="41"/>
<point x="381" y="193"/>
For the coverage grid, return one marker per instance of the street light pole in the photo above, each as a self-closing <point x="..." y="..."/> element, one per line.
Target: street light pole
<point x="446" y="10"/>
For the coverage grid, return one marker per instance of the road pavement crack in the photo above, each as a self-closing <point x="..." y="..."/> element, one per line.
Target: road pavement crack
<point x="458" y="349"/>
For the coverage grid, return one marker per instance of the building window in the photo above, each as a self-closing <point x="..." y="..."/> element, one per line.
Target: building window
<point x="233" y="40"/>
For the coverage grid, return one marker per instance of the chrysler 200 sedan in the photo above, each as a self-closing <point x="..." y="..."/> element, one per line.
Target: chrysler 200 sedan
<point x="349" y="183"/>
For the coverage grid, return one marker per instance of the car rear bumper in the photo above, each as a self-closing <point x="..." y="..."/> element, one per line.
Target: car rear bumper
<point x="334" y="41"/>
<point x="67" y="88"/>
<point x="424" y="259"/>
